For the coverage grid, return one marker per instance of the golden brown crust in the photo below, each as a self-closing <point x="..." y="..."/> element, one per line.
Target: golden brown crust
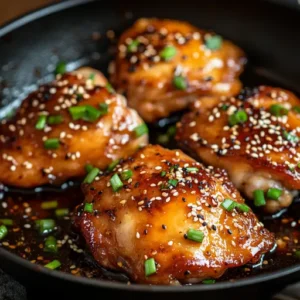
<point x="25" y="162"/>
<point x="147" y="78"/>
<point x="264" y="143"/>
<point x="148" y="218"/>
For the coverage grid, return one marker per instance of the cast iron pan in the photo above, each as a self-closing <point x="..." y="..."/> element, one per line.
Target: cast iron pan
<point x="31" y="46"/>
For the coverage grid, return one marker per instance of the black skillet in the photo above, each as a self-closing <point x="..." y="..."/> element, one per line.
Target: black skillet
<point x="31" y="46"/>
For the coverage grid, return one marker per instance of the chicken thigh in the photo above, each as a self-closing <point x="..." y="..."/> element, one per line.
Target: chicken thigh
<point x="162" y="65"/>
<point x="74" y="121"/>
<point x="162" y="218"/>
<point x="255" y="137"/>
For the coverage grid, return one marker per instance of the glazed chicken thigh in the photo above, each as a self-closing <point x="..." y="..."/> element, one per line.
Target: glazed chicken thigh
<point x="161" y="65"/>
<point x="255" y="137"/>
<point x="74" y="121"/>
<point x="162" y="218"/>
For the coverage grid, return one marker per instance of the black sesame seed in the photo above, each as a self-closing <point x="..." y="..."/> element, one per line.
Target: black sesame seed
<point x="214" y="227"/>
<point x="229" y="231"/>
<point x="185" y="236"/>
<point x="187" y="272"/>
<point x="183" y="199"/>
<point x="164" y="226"/>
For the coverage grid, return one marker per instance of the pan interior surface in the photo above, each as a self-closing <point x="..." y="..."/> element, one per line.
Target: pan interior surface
<point x="80" y="34"/>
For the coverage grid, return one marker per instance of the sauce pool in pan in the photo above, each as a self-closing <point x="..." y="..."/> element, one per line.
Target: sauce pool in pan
<point x="56" y="239"/>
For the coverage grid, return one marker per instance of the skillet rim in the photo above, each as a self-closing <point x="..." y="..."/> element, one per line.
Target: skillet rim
<point x="45" y="11"/>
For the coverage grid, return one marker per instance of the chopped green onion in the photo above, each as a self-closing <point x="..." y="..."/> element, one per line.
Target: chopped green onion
<point x="61" y="68"/>
<point x="88" y="207"/>
<point x="296" y="109"/>
<point x="45" y="225"/>
<point x="224" y="107"/>
<point x="228" y="204"/>
<point x="290" y="137"/>
<point x="53" y="264"/>
<point x="61" y="212"/>
<point x="297" y="253"/>
<point x="110" y="88"/>
<point x="51" y="144"/>
<point x="141" y="130"/>
<point x="195" y="235"/>
<point x="92" y="76"/>
<point x="116" y="182"/>
<point x="163" y="139"/>
<point x="192" y="169"/>
<point x="168" y="52"/>
<point x="163" y="173"/>
<point x="239" y="117"/>
<point x="41" y="122"/>
<point x="103" y="108"/>
<point x="209" y="281"/>
<point x="150" y="267"/>
<point x="274" y="193"/>
<point x="90" y="177"/>
<point x="259" y="198"/>
<point x="213" y="42"/>
<point x="3" y="231"/>
<point x="49" y="204"/>
<point x="6" y="222"/>
<point x="180" y="82"/>
<point x="171" y="131"/>
<point x="50" y="244"/>
<point x="132" y="47"/>
<point x="112" y="165"/>
<point x="54" y="120"/>
<point x="125" y="175"/>
<point x="91" y="114"/>
<point x="278" y="110"/>
<point x="77" y="112"/>
<point x="173" y="182"/>
<point x="88" y="168"/>
<point x="243" y="207"/>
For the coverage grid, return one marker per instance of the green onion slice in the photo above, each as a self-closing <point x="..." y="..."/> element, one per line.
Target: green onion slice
<point x="88" y="207"/>
<point x="61" y="212"/>
<point x="77" y="112"/>
<point x="50" y="244"/>
<point x="3" y="232"/>
<point x="213" y="42"/>
<point x="239" y="117"/>
<point x="228" y="204"/>
<point x="53" y="264"/>
<point x="41" y="122"/>
<point x="61" y="68"/>
<point x="45" y="225"/>
<point x="127" y="174"/>
<point x="103" y="107"/>
<point x="110" y="88"/>
<point x="274" y="193"/>
<point x="278" y="110"/>
<point x="7" y="222"/>
<point x="290" y="137"/>
<point x="168" y="52"/>
<point x="296" y="109"/>
<point x="88" y="168"/>
<point x="112" y="165"/>
<point x="90" y="177"/>
<point x="192" y="170"/>
<point x="195" y="235"/>
<point x="133" y="46"/>
<point x="209" y="281"/>
<point x="259" y="198"/>
<point x="173" y="182"/>
<point x="51" y="144"/>
<point x="49" y="204"/>
<point x="150" y="267"/>
<point x="141" y="130"/>
<point x="116" y="182"/>
<point x="180" y="82"/>
<point x="54" y="120"/>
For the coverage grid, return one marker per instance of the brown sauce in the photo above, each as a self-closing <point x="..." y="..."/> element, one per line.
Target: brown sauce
<point x="24" y="207"/>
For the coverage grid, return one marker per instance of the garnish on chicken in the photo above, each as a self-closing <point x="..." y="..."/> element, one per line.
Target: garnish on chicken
<point x="255" y="137"/>
<point x="76" y="120"/>
<point x="162" y="218"/>
<point x="162" y="65"/>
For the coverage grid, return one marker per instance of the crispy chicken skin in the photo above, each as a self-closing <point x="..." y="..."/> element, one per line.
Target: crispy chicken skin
<point x="145" y="68"/>
<point x="149" y="217"/>
<point x="26" y="161"/>
<point x="261" y="152"/>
